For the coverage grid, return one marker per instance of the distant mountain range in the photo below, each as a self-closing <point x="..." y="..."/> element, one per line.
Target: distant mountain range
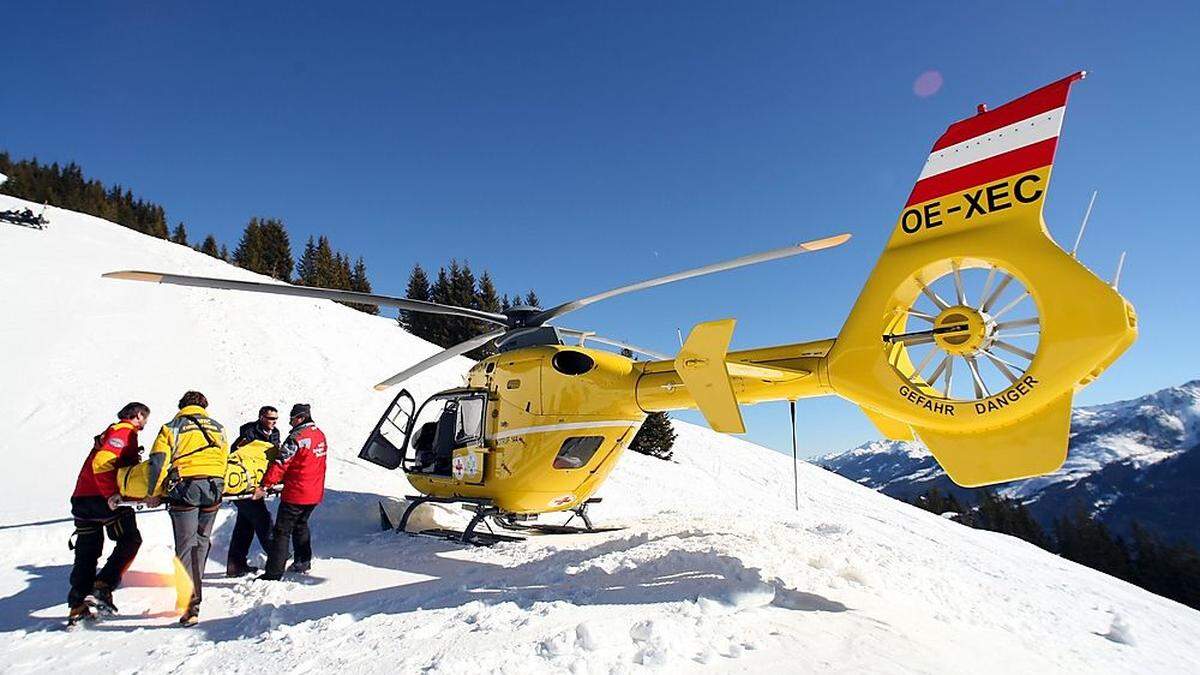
<point x="1136" y="460"/>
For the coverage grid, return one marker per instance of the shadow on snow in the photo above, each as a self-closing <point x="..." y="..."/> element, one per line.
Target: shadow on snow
<point x="346" y="527"/>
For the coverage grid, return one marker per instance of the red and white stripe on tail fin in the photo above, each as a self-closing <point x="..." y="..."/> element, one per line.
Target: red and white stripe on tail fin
<point x="987" y="167"/>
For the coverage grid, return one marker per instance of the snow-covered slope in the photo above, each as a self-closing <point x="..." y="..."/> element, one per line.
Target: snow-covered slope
<point x="714" y="569"/>
<point x="1129" y="460"/>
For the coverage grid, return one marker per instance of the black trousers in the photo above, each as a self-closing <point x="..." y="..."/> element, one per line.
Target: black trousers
<point x="291" y="525"/>
<point x="253" y="519"/>
<point x="89" y="545"/>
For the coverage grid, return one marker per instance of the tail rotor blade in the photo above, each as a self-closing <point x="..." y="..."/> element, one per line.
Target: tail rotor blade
<point x="440" y="357"/>
<point x="309" y="292"/>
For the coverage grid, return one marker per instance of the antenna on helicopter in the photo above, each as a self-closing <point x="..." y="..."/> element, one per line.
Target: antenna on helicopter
<point x="1082" y="226"/>
<point x="679" y="334"/>
<point x="795" y="459"/>
<point x="1120" y="266"/>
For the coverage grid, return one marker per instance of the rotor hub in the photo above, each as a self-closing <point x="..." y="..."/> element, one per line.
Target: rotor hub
<point x="520" y="315"/>
<point x="962" y="330"/>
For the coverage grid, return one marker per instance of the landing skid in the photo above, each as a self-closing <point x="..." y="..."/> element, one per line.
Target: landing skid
<point x="485" y="514"/>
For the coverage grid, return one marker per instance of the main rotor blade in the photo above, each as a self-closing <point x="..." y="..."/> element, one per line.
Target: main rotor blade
<point x="440" y="357"/>
<point x="588" y="335"/>
<point x="309" y="292"/>
<point x="785" y="252"/>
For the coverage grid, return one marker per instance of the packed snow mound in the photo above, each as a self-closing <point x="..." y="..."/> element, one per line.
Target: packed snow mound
<point x="715" y="570"/>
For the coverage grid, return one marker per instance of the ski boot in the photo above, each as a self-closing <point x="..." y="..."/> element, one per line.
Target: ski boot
<point x="101" y="599"/>
<point x="234" y="571"/>
<point x="190" y="617"/>
<point x="80" y="613"/>
<point x="299" y="567"/>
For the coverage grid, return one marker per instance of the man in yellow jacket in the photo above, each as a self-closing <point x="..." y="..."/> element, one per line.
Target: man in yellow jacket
<point x="189" y="457"/>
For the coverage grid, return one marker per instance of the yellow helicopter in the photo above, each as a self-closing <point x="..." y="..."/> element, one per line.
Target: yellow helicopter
<point x="972" y="333"/>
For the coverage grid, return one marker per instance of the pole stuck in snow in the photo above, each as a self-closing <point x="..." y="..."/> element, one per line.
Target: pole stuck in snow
<point x="795" y="459"/>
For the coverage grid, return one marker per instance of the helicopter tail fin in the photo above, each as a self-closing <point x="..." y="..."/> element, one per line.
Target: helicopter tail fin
<point x="702" y="368"/>
<point x="975" y="328"/>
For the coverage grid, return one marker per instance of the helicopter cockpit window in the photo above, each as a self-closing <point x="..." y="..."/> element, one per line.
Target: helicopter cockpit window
<point x="443" y="424"/>
<point x="577" y="451"/>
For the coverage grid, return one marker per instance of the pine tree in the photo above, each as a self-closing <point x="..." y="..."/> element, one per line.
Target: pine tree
<point x="179" y="234"/>
<point x="66" y="187"/>
<point x="210" y="247"/>
<point x="531" y="299"/>
<point x="1172" y="571"/>
<point x="306" y="266"/>
<point x="249" y="252"/>
<point x="487" y="300"/>
<point x="323" y="267"/>
<point x="656" y="437"/>
<point x="224" y="253"/>
<point x="265" y="248"/>
<point x="418" y="289"/>
<point x="1087" y="541"/>
<point x="319" y="265"/>
<point x="439" y="326"/>
<point x="275" y="249"/>
<point x="936" y="501"/>
<point x="359" y="283"/>
<point x="327" y="264"/>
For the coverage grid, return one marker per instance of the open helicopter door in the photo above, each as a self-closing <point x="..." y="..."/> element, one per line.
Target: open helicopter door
<point x="385" y="446"/>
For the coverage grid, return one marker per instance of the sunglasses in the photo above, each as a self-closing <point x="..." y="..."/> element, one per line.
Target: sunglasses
<point x="271" y="419"/>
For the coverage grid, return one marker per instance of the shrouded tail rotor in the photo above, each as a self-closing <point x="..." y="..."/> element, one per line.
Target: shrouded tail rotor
<point x="975" y="328"/>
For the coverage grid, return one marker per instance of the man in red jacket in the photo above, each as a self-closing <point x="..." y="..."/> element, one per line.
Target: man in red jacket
<point x="300" y="466"/>
<point x="94" y="507"/>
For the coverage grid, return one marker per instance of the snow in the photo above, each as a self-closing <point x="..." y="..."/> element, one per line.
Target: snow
<point x="714" y="569"/>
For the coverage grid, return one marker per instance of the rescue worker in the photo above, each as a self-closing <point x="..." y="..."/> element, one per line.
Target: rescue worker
<point x="189" y="455"/>
<point x="253" y="518"/>
<point x="94" y="507"/>
<point x="301" y="468"/>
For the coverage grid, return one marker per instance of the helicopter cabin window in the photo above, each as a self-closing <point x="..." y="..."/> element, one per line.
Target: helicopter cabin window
<point x="468" y="425"/>
<point x="577" y="451"/>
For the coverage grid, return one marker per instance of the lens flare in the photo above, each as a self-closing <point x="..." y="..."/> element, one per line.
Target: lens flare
<point x="183" y="586"/>
<point x="927" y="83"/>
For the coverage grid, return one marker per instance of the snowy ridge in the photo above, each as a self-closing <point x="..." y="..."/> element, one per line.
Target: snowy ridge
<point x="714" y="570"/>
<point x="1139" y="432"/>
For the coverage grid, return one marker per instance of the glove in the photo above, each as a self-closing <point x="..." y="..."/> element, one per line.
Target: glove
<point x="113" y="502"/>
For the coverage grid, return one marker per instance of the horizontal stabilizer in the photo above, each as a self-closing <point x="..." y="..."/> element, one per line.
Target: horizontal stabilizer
<point x="1033" y="446"/>
<point x="701" y="365"/>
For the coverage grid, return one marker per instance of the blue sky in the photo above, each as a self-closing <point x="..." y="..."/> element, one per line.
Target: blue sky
<point x="571" y="147"/>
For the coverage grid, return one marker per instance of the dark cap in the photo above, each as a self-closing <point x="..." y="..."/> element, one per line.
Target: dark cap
<point x="301" y="410"/>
